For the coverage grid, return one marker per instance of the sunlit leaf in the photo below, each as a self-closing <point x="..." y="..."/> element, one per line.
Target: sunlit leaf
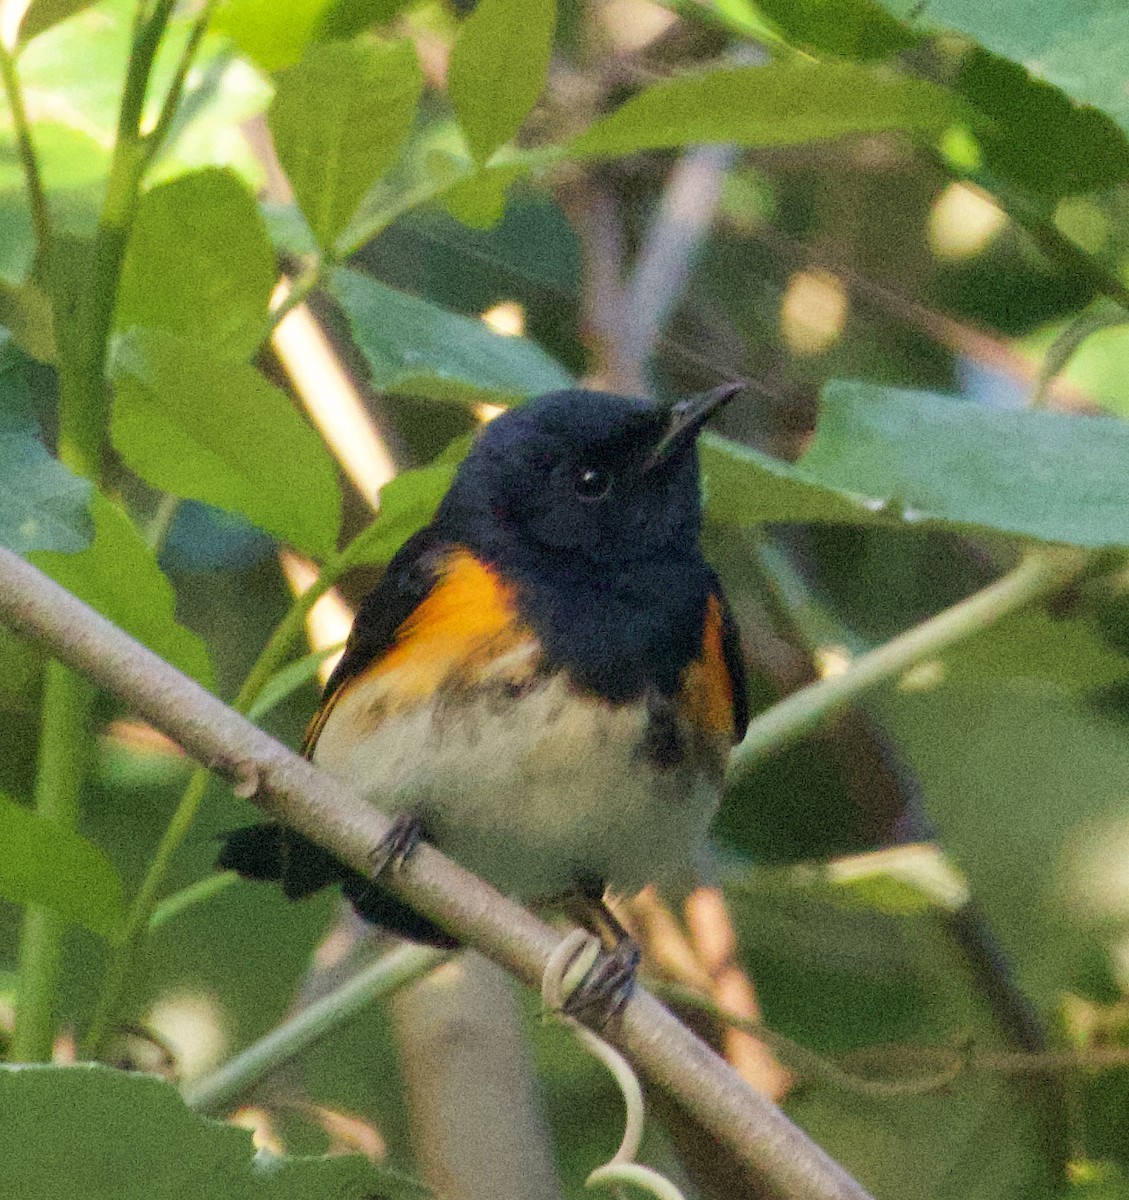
<point x="498" y="68"/>
<point x="206" y="429"/>
<point x="783" y="103"/>
<point x="199" y="264"/>
<point x="339" y="120"/>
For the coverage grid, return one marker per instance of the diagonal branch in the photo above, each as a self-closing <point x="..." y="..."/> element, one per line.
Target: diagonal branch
<point x="782" y="1162"/>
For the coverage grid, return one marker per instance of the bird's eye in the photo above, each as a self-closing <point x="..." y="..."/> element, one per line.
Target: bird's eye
<point x="591" y="483"/>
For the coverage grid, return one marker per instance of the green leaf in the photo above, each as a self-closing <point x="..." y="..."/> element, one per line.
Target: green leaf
<point x="43" y="863"/>
<point x="206" y="429"/>
<point x="42" y="505"/>
<point x="1078" y="46"/>
<point x="775" y="105"/>
<point x="199" y="264"/>
<point x="1032" y="133"/>
<point x="480" y="200"/>
<point x="859" y="29"/>
<point x="339" y="120"/>
<point x="273" y="35"/>
<point x="1043" y="475"/>
<point x="407" y="503"/>
<point x="343" y="19"/>
<point x="42" y="14"/>
<point x="118" y="575"/>
<point x="1025" y="785"/>
<point x="499" y="64"/>
<point x="417" y="349"/>
<point x="113" y="1135"/>
<point x="882" y="456"/>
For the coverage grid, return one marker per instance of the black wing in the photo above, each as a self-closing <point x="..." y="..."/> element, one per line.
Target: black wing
<point x="274" y="853"/>
<point x="404" y="586"/>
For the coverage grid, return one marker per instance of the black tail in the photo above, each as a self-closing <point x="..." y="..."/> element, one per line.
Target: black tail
<point x="275" y="854"/>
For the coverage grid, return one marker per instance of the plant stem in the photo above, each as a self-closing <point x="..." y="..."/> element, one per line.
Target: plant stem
<point x="33" y="181"/>
<point x="124" y="953"/>
<point x="1040" y="572"/>
<point x="84" y="418"/>
<point x="62" y="747"/>
<point x="167" y="115"/>
<point x="84" y="413"/>
<point x="389" y="973"/>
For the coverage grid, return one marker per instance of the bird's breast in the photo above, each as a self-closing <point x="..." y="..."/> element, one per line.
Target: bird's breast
<point x="527" y="779"/>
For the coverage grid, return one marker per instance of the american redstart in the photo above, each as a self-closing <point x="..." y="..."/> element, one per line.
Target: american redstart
<point x="547" y="681"/>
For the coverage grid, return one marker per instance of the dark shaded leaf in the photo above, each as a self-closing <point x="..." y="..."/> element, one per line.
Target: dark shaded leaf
<point x="43" y="863"/>
<point x="418" y="349"/>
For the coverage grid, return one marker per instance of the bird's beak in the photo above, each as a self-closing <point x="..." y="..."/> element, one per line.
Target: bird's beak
<point x="687" y="418"/>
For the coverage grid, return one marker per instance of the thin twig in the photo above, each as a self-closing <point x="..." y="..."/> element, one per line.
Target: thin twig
<point x="33" y="180"/>
<point x="171" y="104"/>
<point x="803" y="711"/>
<point x="217" y="1092"/>
<point x="685" y="215"/>
<point x="788" y="1165"/>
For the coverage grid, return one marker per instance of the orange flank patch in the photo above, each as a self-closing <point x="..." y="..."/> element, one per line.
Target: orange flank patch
<point x="464" y="625"/>
<point x="707" y="689"/>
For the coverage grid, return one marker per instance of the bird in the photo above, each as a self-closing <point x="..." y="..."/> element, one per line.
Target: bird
<point x="547" y="680"/>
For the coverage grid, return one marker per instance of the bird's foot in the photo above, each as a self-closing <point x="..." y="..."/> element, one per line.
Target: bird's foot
<point x="590" y="985"/>
<point x="397" y="844"/>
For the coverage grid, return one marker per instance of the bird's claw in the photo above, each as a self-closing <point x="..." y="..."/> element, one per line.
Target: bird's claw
<point x="606" y="981"/>
<point x="396" y="846"/>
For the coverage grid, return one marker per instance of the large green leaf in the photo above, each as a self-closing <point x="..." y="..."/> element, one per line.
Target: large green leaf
<point x="211" y="430"/>
<point x="339" y="120"/>
<point x="1044" y="475"/>
<point x="43" y="863"/>
<point x="498" y="68"/>
<point x="199" y="264"/>
<point x="118" y="575"/>
<point x="1079" y="45"/>
<point x="417" y="349"/>
<point x="886" y="456"/>
<point x="1034" y="134"/>
<point x="1026" y="787"/>
<point x="780" y="104"/>
<point x="42" y="505"/>
<point x="112" y="1135"/>
<point x="407" y="503"/>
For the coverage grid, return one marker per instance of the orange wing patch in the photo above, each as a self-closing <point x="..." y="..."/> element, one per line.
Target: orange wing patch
<point x="707" y="689"/>
<point x="464" y="625"/>
<point x="467" y="620"/>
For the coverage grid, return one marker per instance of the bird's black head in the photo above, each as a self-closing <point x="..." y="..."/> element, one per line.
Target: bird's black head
<point x="606" y="478"/>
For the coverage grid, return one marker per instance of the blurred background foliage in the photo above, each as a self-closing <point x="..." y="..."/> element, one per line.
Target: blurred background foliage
<point x="929" y="197"/>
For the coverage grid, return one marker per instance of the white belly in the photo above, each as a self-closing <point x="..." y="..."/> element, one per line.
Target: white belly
<point x="533" y="793"/>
